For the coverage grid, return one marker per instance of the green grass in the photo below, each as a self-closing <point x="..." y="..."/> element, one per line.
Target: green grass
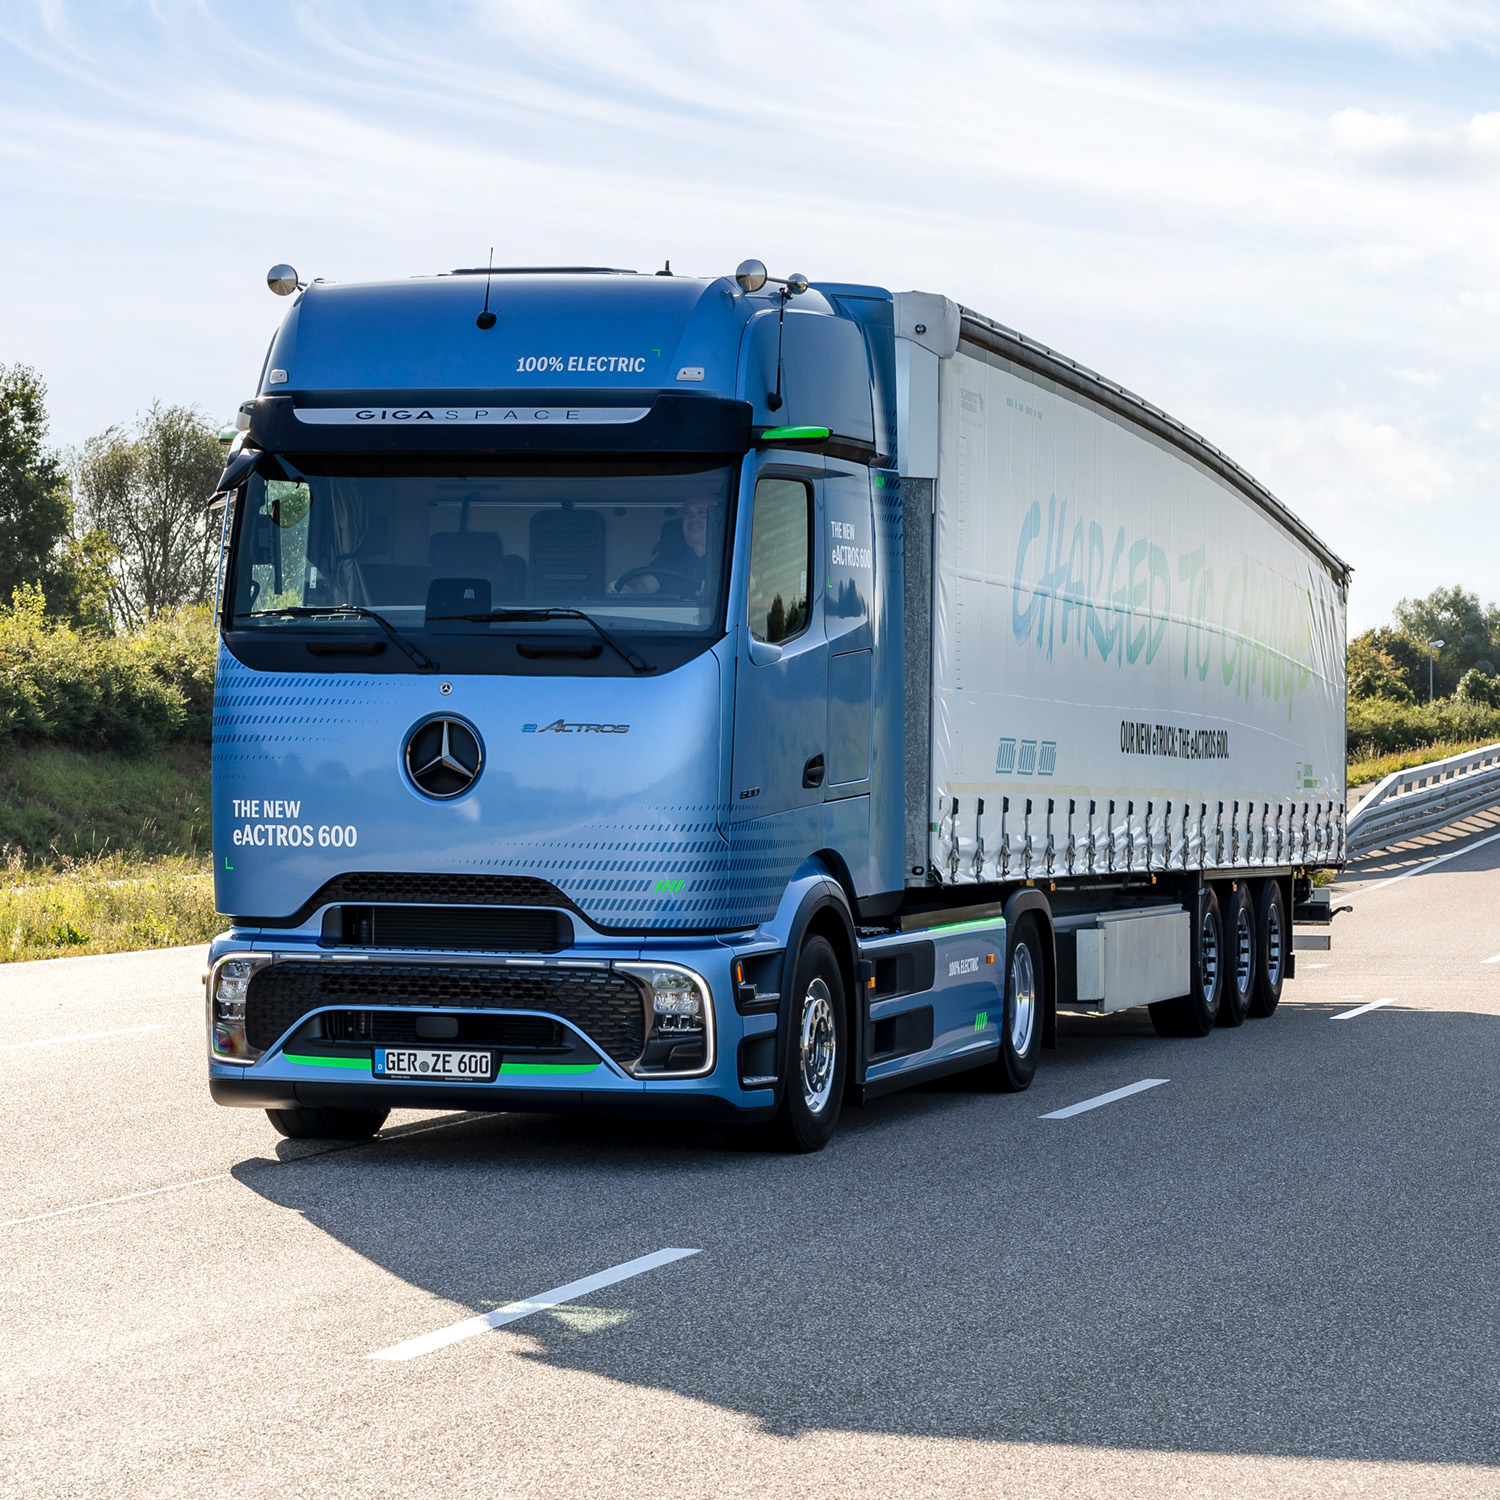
<point x="116" y="904"/>
<point x="102" y="852"/>
<point x="59" y="805"/>
<point x="1370" y="767"/>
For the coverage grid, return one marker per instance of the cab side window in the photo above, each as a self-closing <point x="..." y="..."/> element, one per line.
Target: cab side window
<point x="780" y="559"/>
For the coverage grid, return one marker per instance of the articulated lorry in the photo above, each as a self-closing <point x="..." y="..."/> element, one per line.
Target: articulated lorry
<point x="730" y="698"/>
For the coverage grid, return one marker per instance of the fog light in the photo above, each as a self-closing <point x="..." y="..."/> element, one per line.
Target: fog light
<point x="679" y="1036"/>
<point x="229" y="985"/>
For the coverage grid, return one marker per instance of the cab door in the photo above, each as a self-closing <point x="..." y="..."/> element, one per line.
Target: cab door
<point x="781" y="683"/>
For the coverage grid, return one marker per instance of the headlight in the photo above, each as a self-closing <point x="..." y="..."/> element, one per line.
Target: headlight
<point x="680" y="1022"/>
<point x="228" y="991"/>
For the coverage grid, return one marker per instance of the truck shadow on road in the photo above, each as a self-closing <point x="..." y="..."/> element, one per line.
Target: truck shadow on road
<point x="1287" y="1249"/>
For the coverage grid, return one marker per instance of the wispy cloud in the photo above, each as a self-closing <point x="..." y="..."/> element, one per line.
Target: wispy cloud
<point x="1231" y="210"/>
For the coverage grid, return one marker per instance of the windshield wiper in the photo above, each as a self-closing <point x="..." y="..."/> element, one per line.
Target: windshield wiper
<point x="519" y="616"/>
<point x="306" y="611"/>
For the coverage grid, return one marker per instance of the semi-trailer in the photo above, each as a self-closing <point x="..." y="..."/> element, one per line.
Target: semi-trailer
<point x="727" y="698"/>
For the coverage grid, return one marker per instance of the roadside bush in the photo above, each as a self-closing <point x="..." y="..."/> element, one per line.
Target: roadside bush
<point x="1378" y="726"/>
<point x="179" y="648"/>
<point x="1479" y="686"/>
<point x="102" y="692"/>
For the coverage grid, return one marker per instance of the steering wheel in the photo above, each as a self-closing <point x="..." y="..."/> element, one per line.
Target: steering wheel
<point x="690" y="584"/>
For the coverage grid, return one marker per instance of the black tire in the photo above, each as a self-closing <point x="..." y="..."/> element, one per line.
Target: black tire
<point x="1272" y="936"/>
<point x="1022" y="1010"/>
<point x="1240" y="953"/>
<point x="1194" y="1013"/>
<point x="302" y="1124"/>
<point x="815" y="1051"/>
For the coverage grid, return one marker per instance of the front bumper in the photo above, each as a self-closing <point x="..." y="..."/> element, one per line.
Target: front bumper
<point x="657" y="1101"/>
<point x="305" y="1059"/>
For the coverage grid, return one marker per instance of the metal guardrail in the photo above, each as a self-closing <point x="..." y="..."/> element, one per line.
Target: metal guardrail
<point x="1425" y="798"/>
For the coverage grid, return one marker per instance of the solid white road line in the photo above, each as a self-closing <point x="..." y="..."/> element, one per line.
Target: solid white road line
<point x="1359" y="1010"/>
<point x="1101" y="1099"/>
<point x="1494" y="960"/>
<point x="515" y="1310"/>
<point x="399" y="1133"/>
<point x="87" y="1036"/>
<point x="78" y="1208"/>
<point x="1442" y="859"/>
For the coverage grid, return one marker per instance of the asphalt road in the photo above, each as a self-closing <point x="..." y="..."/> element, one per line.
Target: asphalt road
<point x="1273" y="1274"/>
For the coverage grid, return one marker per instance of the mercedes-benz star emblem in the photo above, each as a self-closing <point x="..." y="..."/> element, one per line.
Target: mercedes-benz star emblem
<point x="443" y="758"/>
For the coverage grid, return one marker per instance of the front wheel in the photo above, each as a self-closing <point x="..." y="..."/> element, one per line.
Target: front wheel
<point x="815" y="1051"/>
<point x="1021" y="1015"/>
<point x="302" y="1124"/>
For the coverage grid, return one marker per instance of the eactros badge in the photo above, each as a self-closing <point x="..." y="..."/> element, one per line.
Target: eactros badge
<point x="444" y="758"/>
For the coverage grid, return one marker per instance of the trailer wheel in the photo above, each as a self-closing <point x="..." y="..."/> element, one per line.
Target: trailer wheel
<point x="1240" y="955"/>
<point x="815" y="1056"/>
<point x="303" y="1124"/>
<point x="1021" y="1014"/>
<point x="1194" y="1013"/>
<point x="1270" y="950"/>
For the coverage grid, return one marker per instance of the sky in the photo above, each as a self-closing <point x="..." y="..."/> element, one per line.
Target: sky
<point x="1280" y="222"/>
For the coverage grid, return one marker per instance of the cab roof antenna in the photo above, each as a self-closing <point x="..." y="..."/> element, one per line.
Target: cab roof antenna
<point x="486" y="319"/>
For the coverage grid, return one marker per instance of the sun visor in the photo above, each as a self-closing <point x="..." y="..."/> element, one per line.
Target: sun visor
<point x="499" y="421"/>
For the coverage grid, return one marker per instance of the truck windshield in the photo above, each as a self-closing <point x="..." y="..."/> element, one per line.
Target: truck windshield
<point x="638" y="545"/>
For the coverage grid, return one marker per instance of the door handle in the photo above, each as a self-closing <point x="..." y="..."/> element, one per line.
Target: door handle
<point x="812" y="772"/>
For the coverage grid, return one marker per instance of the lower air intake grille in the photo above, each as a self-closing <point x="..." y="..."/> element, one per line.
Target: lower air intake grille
<point x="607" y="1007"/>
<point x="386" y="1028"/>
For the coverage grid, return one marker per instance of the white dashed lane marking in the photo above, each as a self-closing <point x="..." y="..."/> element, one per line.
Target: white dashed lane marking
<point x="1359" y="1010"/>
<point x="512" y="1311"/>
<point x="1100" y="1100"/>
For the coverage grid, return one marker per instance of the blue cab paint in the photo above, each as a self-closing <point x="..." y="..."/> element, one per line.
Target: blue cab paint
<point x="680" y="827"/>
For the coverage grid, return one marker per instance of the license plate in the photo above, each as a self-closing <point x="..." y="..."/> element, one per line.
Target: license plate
<point x="447" y="1063"/>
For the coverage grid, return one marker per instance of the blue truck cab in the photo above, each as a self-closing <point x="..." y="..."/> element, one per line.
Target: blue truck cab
<point x="559" y="754"/>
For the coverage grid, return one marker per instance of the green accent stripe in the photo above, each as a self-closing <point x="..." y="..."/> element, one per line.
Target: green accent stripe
<point x="989" y="924"/>
<point x="359" y="1064"/>
<point x="513" y="1069"/>
<point x="794" y="434"/>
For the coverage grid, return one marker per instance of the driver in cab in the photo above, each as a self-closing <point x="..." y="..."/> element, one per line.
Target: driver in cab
<point x="680" y="560"/>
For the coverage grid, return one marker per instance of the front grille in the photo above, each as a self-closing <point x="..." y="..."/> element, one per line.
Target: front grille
<point x="483" y="929"/>
<point x="395" y="1028"/>
<point x="607" y="1007"/>
<point x="435" y="890"/>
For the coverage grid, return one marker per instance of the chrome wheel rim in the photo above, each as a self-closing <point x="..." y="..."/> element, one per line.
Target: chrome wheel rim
<point x="1208" y="955"/>
<point x="1273" y="945"/>
<point x="819" y="1046"/>
<point x="1244" y="951"/>
<point x="1022" y="999"/>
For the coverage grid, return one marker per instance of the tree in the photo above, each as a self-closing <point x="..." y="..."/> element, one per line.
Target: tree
<point x="1374" y="671"/>
<point x="147" y="489"/>
<point x="1398" y="650"/>
<point x="36" y="514"/>
<point x="1470" y="634"/>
